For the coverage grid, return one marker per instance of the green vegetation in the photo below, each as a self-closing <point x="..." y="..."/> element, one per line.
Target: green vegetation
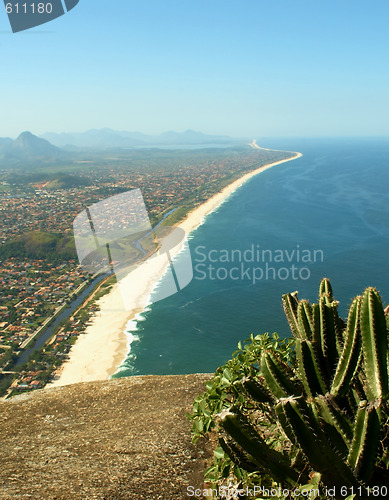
<point x="67" y="181"/>
<point x="40" y="245"/>
<point x="51" y="177"/>
<point x="311" y="410"/>
<point x="178" y="215"/>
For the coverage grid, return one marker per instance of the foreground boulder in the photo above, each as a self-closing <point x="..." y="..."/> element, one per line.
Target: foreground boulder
<point x="119" y="439"/>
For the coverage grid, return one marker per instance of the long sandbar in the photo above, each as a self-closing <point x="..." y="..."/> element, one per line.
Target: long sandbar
<point x="104" y="345"/>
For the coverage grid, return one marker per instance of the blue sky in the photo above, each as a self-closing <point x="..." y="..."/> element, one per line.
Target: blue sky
<point x="247" y="68"/>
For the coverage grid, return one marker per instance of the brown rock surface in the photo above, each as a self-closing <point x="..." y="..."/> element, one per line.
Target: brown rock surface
<point x="120" y="439"/>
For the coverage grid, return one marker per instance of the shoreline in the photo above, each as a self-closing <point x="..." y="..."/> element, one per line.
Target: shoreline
<point x="98" y="352"/>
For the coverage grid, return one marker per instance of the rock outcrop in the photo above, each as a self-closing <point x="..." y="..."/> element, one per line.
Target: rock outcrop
<point x="120" y="439"/>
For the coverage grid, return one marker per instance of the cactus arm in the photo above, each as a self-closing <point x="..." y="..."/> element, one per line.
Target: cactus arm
<point x="340" y="327"/>
<point x="237" y="456"/>
<point x="270" y="460"/>
<point x="331" y="413"/>
<point x="316" y="338"/>
<point x="325" y="292"/>
<point x="257" y="391"/>
<point x="290" y="303"/>
<point x="325" y="289"/>
<point x="351" y="355"/>
<point x="305" y="320"/>
<point x="374" y="343"/>
<point x="314" y="443"/>
<point x="335" y="439"/>
<point x="285" y="425"/>
<point x="308" y="369"/>
<point x="277" y="376"/>
<point x="328" y="336"/>
<point x="363" y="451"/>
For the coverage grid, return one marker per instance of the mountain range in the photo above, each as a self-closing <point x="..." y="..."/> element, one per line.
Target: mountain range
<point x="29" y="149"/>
<point x="108" y="138"/>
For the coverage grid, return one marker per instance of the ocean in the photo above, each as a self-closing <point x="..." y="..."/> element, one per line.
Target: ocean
<point x="323" y="215"/>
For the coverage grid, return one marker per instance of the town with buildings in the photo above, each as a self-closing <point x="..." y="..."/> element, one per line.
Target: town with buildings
<point x="40" y="275"/>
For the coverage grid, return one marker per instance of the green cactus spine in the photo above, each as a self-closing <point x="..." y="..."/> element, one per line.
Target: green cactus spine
<point x="375" y="343"/>
<point x="328" y="336"/>
<point x="290" y="303"/>
<point x="325" y="289"/>
<point x="331" y="413"/>
<point x="278" y="376"/>
<point x="245" y="435"/>
<point x="238" y="456"/>
<point x="305" y="320"/>
<point x="314" y="443"/>
<point x="308" y="368"/>
<point x="258" y="391"/>
<point x="363" y="451"/>
<point x="351" y="354"/>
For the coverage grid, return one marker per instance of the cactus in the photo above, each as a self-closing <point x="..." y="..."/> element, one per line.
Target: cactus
<point x="327" y="402"/>
<point x="309" y="370"/>
<point x="258" y="391"/>
<point x="350" y="357"/>
<point x="305" y="320"/>
<point x="363" y="451"/>
<point x="244" y="434"/>
<point x="325" y="289"/>
<point x="312" y="440"/>
<point x="290" y="304"/>
<point x="375" y="343"/>
<point x="278" y="376"/>
<point x="332" y="414"/>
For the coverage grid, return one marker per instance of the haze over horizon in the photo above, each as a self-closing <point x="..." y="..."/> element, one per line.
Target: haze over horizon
<point x="251" y="69"/>
<point x="242" y="139"/>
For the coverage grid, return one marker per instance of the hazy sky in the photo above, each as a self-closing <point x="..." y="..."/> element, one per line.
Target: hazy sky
<point x="244" y="68"/>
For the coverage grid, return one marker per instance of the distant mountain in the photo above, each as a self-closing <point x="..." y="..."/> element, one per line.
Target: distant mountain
<point x="28" y="147"/>
<point x="108" y="138"/>
<point x="96" y="139"/>
<point x="29" y="150"/>
<point x="28" y="143"/>
<point x="5" y="141"/>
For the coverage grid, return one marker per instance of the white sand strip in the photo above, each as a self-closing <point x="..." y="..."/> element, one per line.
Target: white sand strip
<point x="100" y="350"/>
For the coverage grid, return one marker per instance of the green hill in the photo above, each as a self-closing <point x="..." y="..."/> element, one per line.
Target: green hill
<point x="67" y="181"/>
<point x="38" y="245"/>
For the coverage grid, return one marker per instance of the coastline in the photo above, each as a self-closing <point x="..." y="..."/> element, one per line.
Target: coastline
<point x="99" y="351"/>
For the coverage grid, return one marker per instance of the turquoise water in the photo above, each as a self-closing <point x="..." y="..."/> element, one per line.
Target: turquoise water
<point x="326" y="214"/>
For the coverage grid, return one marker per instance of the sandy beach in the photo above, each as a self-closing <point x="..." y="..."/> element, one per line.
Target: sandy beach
<point x="100" y="350"/>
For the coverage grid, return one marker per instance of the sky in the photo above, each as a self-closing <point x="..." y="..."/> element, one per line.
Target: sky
<point x="245" y="68"/>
